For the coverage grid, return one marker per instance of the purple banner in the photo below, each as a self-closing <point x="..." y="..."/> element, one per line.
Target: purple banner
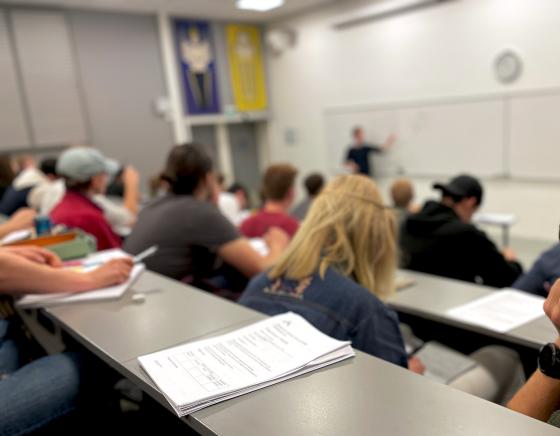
<point x="198" y="67"/>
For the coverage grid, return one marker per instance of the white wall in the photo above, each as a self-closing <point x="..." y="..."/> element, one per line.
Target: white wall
<point x="442" y="51"/>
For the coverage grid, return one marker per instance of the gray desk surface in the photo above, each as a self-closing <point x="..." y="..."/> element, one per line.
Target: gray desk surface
<point x="431" y="296"/>
<point x="171" y="314"/>
<point x="357" y="397"/>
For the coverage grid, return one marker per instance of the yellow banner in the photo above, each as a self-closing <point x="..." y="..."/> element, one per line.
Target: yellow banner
<point x="246" y="67"/>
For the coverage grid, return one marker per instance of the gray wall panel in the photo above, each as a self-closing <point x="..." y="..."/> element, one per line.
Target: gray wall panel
<point x="48" y="73"/>
<point x="121" y="71"/>
<point x="13" y="128"/>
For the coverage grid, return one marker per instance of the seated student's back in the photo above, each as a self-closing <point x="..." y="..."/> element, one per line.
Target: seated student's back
<point x="337" y="306"/>
<point x="278" y="190"/>
<point x="85" y="171"/>
<point x="186" y="225"/>
<point x="15" y="196"/>
<point x="313" y="184"/>
<point x="187" y="231"/>
<point x="542" y="275"/>
<point x="338" y="268"/>
<point x="440" y="239"/>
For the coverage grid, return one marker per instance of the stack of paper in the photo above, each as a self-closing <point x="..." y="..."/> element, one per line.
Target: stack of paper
<point x="85" y="265"/>
<point x="199" y="374"/>
<point x="500" y="311"/>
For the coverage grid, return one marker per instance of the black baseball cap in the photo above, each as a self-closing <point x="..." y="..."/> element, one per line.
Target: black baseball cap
<point x="462" y="186"/>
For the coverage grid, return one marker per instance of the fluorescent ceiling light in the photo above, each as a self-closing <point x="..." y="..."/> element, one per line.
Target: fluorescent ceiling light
<point x="259" y="5"/>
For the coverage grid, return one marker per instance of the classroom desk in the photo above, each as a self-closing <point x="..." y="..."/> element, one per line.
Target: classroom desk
<point x="502" y="220"/>
<point x="171" y="314"/>
<point x="431" y="296"/>
<point x="363" y="395"/>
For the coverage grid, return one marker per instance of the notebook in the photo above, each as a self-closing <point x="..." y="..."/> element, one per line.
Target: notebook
<point x="198" y="374"/>
<point x="85" y="265"/>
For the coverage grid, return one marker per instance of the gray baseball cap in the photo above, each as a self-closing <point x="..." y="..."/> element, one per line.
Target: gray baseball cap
<point x="82" y="163"/>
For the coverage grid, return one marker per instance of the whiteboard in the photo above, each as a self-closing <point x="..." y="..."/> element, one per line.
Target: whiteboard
<point x="534" y="150"/>
<point x="434" y="139"/>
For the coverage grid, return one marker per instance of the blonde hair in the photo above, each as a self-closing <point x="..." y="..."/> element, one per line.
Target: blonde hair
<point x="349" y="229"/>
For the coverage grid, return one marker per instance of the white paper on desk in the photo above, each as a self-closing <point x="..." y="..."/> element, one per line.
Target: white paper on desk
<point x="104" y="256"/>
<point x="500" y="311"/>
<point x="110" y="293"/>
<point x="196" y="375"/>
<point x="18" y="235"/>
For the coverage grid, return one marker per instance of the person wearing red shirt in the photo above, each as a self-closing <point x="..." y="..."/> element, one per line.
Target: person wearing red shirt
<point x="85" y="171"/>
<point x="279" y="193"/>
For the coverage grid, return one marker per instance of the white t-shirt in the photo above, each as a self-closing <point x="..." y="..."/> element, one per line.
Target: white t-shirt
<point x="228" y="205"/>
<point x="46" y="196"/>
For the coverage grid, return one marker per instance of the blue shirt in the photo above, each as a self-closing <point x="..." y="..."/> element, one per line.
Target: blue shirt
<point x="13" y="200"/>
<point x="337" y="306"/>
<point x="360" y="156"/>
<point x="542" y="274"/>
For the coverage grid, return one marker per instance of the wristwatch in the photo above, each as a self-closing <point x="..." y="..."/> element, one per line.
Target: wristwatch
<point x="549" y="360"/>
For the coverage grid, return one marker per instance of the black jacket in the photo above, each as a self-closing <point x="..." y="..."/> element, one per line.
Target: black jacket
<point x="436" y="241"/>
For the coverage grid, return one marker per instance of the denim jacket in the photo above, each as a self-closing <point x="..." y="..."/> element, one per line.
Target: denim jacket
<point x="337" y="306"/>
<point x="542" y="275"/>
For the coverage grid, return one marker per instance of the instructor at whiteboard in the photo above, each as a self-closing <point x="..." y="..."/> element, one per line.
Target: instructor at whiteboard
<point x="357" y="157"/>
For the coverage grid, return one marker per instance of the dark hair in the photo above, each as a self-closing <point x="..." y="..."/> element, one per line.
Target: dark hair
<point x="356" y="130"/>
<point x="313" y="184"/>
<point x="6" y="171"/>
<point x="187" y="166"/>
<point x="278" y="180"/>
<point x="74" y="185"/>
<point x="48" y="166"/>
<point x="455" y="198"/>
<point x="236" y="186"/>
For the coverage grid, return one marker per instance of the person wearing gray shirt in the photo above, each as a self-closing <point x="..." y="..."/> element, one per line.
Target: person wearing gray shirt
<point x="188" y="228"/>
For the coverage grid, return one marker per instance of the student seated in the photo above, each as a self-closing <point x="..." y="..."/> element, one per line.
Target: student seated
<point x="313" y="184"/>
<point x="85" y="171"/>
<point x="188" y="228"/>
<point x="243" y="199"/>
<point x="7" y="173"/>
<point x="29" y="176"/>
<point x="338" y="269"/>
<point x="540" y="397"/>
<point x="228" y="203"/>
<point x="278" y="192"/>
<point x="441" y="240"/>
<point x="37" y="393"/>
<point x="120" y="214"/>
<point x="402" y="194"/>
<point x="542" y="275"/>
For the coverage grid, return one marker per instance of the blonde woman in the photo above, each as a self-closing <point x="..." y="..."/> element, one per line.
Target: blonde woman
<point x="338" y="269"/>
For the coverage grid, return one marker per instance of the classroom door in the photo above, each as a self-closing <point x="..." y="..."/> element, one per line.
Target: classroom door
<point x="206" y="136"/>
<point x="245" y="157"/>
